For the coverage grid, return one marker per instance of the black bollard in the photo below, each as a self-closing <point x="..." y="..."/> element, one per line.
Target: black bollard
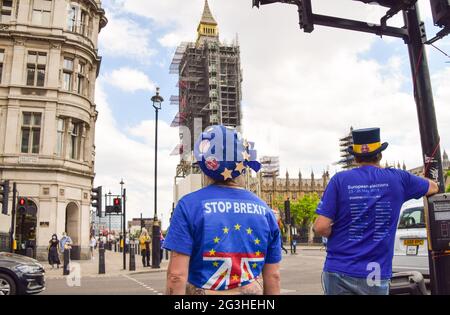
<point x="115" y="247"/>
<point x="29" y="252"/>
<point x="101" y="259"/>
<point x="132" y="257"/>
<point x="167" y="254"/>
<point x="66" y="269"/>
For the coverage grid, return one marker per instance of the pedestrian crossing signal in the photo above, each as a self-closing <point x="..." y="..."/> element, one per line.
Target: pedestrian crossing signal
<point x="22" y="205"/>
<point x="117" y="205"/>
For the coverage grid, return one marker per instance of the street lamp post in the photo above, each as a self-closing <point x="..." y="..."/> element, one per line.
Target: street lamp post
<point x="123" y="196"/>
<point x="156" y="229"/>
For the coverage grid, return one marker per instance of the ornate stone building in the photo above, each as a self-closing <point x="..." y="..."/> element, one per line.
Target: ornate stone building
<point x="48" y="67"/>
<point x="273" y="187"/>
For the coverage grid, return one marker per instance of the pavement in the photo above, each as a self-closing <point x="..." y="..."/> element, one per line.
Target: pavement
<point x="300" y="274"/>
<point x="113" y="267"/>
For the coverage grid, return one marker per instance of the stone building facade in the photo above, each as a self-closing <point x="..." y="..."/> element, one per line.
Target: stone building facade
<point x="272" y="188"/>
<point x="49" y="63"/>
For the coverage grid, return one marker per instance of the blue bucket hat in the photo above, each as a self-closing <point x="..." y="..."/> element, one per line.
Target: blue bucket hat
<point x="223" y="154"/>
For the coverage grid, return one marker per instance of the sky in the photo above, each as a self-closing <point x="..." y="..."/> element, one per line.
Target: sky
<point x="301" y="92"/>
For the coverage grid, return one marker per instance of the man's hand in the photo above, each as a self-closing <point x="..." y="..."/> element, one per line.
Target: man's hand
<point x="177" y="274"/>
<point x="322" y="226"/>
<point x="433" y="188"/>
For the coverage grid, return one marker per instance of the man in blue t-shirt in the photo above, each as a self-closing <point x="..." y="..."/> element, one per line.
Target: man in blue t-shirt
<point x="359" y="212"/>
<point x="223" y="238"/>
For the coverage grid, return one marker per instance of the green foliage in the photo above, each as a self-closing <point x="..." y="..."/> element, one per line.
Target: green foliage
<point x="447" y="175"/>
<point x="303" y="210"/>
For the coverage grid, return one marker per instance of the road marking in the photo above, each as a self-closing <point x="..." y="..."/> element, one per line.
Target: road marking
<point x="142" y="284"/>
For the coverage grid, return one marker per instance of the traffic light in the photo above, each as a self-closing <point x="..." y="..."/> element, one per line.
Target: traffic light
<point x="287" y="211"/>
<point x="4" y="196"/>
<point x="306" y="16"/>
<point x="117" y="205"/>
<point x="441" y="12"/>
<point x="22" y="205"/>
<point x="304" y="11"/>
<point x="96" y="200"/>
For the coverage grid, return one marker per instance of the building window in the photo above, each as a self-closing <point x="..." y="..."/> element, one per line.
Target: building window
<point x="2" y="58"/>
<point x="72" y="18"/>
<point x="81" y="87"/>
<point x="78" y="20"/>
<point x="31" y="132"/>
<point x="60" y="136"/>
<point x="67" y="74"/>
<point x="42" y="10"/>
<point x="36" y="68"/>
<point x="75" y="139"/>
<point x="6" y="9"/>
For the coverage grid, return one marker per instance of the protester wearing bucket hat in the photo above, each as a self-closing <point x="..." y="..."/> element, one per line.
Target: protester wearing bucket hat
<point x="358" y="213"/>
<point x="223" y="239"/>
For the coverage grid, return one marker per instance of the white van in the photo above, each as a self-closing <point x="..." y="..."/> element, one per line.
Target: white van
<point x="411" y="246"/>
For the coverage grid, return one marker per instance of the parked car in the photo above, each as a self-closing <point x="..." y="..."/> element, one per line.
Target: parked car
<point x="20" y="275"/>
<point x="411" y="245"/>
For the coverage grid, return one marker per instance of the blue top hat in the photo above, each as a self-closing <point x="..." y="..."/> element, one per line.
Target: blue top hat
<point x="223" y="154"/>
<point x="366" y="142"/>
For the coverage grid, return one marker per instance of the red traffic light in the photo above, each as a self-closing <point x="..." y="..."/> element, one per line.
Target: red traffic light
<point x="22" y="201"/>
<point x="116" y="201"/>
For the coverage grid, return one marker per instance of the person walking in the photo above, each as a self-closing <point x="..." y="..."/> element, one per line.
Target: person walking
<point x="293" y="246"/>
<point x="283" y="248"/>
<point x="65" y="242"/>
<point x="92" y="245"/>
<point x="145" y="242"/>
<point x="53" y="252"/>
<point x="65" y="245"/>
<point x="358" y="215"/>
<point x="162" y="248"/>
<point x="223" y="238"/>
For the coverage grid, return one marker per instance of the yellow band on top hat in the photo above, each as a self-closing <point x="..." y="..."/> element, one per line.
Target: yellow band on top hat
<point x="366" y="148"/>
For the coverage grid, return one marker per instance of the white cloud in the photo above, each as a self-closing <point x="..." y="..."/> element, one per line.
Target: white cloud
<point x="128" y="153"/>
<point x="301" y="92"/>
<point x="126" y="39"/>
<point x="129" y="80"/>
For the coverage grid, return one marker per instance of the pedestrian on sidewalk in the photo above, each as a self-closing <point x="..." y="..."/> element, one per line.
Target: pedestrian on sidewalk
<point x="358" y="215"/>
<point x="65" y="242"/>
<point x="223" y="222"/>
<point x="145" y="242"/>
<point x="53" y="252"/>
<point x="283" y="248"/>
<point x="162" y="248"/>
<point x="92" y="245"/>
<point x="293" y="246"/>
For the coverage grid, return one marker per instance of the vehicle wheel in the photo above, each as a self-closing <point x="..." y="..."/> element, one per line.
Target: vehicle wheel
<point x="7" y="285"/>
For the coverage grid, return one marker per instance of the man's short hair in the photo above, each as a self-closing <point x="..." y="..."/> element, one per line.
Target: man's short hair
<point x="369" y="159"/>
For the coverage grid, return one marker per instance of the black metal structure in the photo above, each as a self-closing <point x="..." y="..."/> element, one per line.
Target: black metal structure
<point x="414" y="35"/>
<point x="13" y="218"/>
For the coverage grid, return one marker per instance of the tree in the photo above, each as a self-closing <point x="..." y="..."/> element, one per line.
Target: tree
<point x="447" y="175"/>
<point x="304" y="212"/>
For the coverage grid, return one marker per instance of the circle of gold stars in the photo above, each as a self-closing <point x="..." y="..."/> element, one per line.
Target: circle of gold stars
<point x="237" y="227"/>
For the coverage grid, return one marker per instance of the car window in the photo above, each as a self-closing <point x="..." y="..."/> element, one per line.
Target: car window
<point x="412" y="218"/>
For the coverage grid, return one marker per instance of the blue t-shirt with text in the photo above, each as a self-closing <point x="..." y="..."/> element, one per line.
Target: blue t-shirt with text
<point x="364" y="204"/>
<point x="229" y="235"/>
